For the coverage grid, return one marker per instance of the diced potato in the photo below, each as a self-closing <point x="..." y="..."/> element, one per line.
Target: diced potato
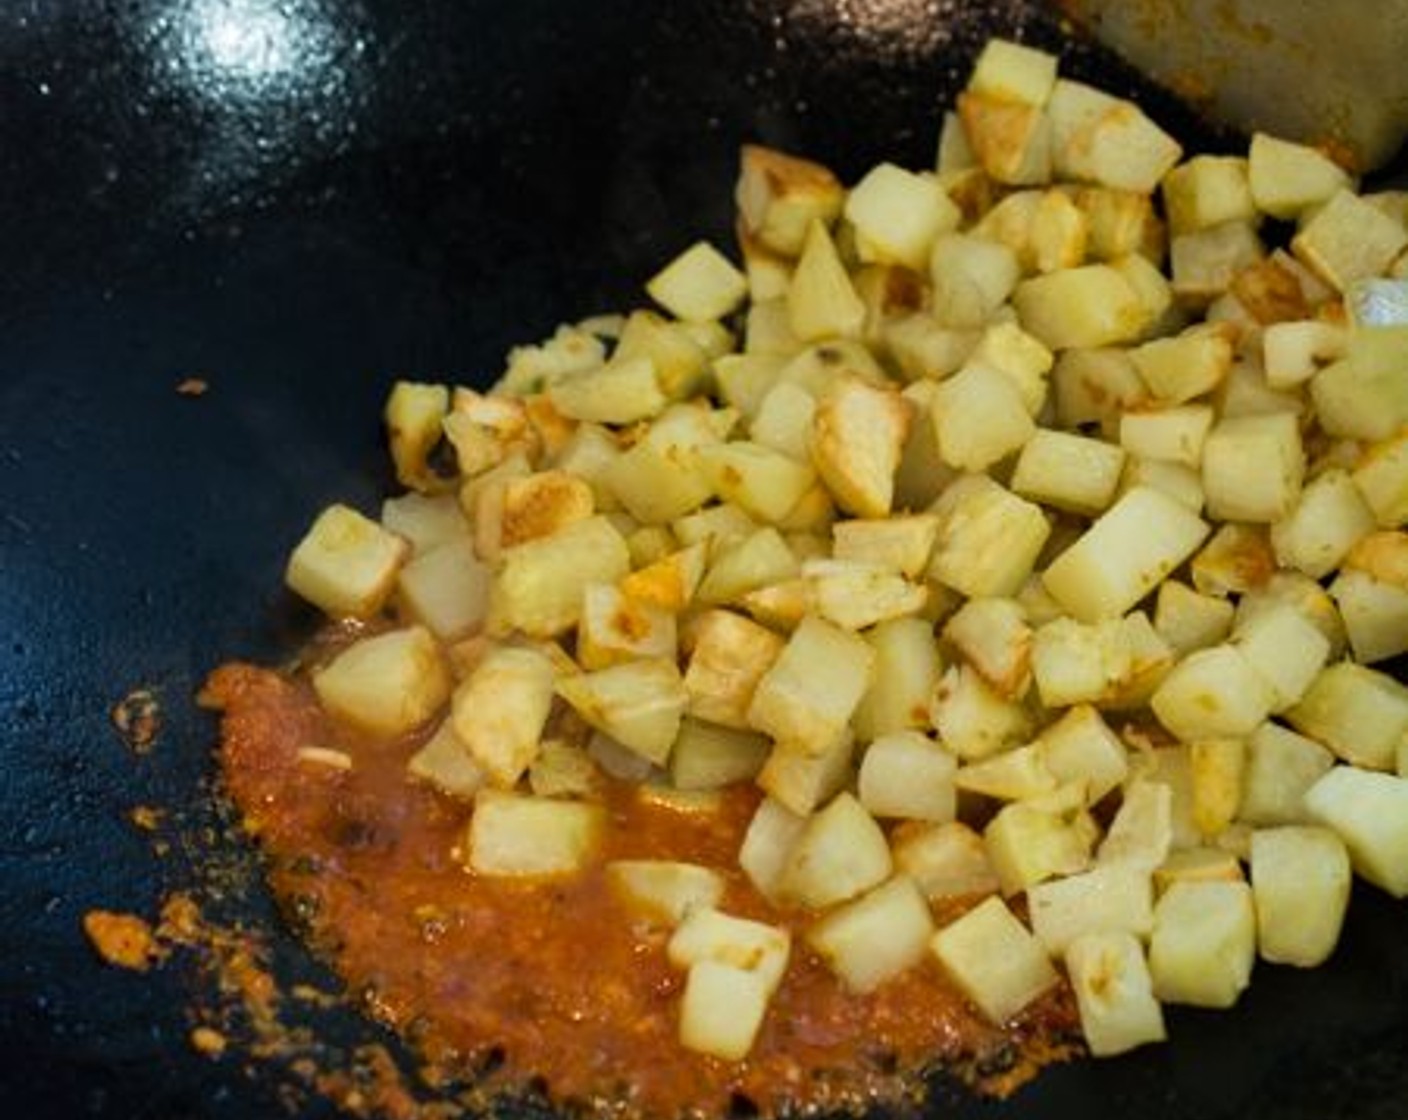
<point x="1028" y="845"/>
<point x="620" y="392"/>
<point x="1237" y="560"/>
<point x="1300" y="885"/>
<point x="1349" y="239"/>
<point x="1253" y="467"/>
<point x="758" y="560"/>
<point x="709" y="756"/>
<point x="903" y="543"/>
<point x="1010" y="140"/>
<point x="413" y="415"/>
<point x="699" y="285"/>
<point x="638" y="703"/>
<point x="784" y="421"/>
<point x="445" y="763"/>
<point x="541" y="504"/>
<point x="1364" y="395"/>
<point x="500" y="710"/>
<point x="446" y="589"/>
<point x="1092" y="305"/>
<point x="972" y="277"/>
<point x="1361" y="714"/>
<point x="897" y="214"/>
<point x="1142" y="832"/>
<point x="1114" y="993"/>
<point x="875" y="937"/>
<point x="857" y="438"/>
<point x="764" y="483"/>
<point x="615" y="628"/>
<point x="821" y="300"/>
<point x="514" y="835"/>
<point x="779" y="196"/>
<point x="346" y="564"/>
<point x="1287" y="650"/>
<point x="679" y="361"/>
<point x="745" y="379"/>
<point x="1010" y="71"/>
<point x="1375" y="613"/>
<point x="946" y="860"/>
<point x="1182" y="484"/>
<point x="772" y="833"/>
<point x="1317" y="533"/>
<point x="531" y="367"/>
<point x="972" y="719"/>
<point x="1076" y="663"/>
<point x="1218" y="771"/>
<point x="661" y="478"/>
<point x="907" y="666"/>
<point x="1110" y="898"/>
<point x="1292" y="352"/>
<point x="1012" y="775"/>
<point x="1169" y="434"/>
<point x="1068" y="472"/>
<point x="993" y="636"/>
<point x="979" y="417"/>
<point x="707" y="934"/>
<point x="662" y="891"/>
<point x="1213" y="693"/>
<point x="808" y="694"/>
<point x="1150" y="661"/>
<point x="1287" y="179"/>
<point x="855" y="595"/>
<point x="1369" y="811"/>
<point x="564" y="769"/>
<point x="1382" y="479"/>
<point x="539" y="589"/>
<point x="1303" y="593"/>
<point x="669" y="583"/>
<point x="1199" y="865"/>
<point x="1189" y="620"/>
<point x="1205" y="264"/>
<point x="722" y="1010"/>
<point x="840" y="853"/>
<point x="387" y="684"/>
<point x="425" y="520"/>
<point x="1102" y="139"/>
<point x="1206" y="191"/>
<point x="730" y="656"/>
<point x="1096" y="386"/>
<point x="1281" y="767"/>
<point x="994" y="961"/>
<point x="1081" y="747"/>
<point x="989" y="538"/>
<point x="1204" y="943"/>
<point x="768" y="335"/>
<point x="905" y="774"/>
<point x="801" y="778"/>
<point x="1125" y="554"/>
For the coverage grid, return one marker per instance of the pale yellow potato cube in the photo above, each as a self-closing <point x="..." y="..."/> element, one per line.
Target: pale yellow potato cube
<point x="954" y="153"/>
<point x="772" y="833"/>
<point x="903" y="543"/>
<point x="1203" y="265"/>
<point x="840" y="853"/>
<point x="989" y="538"/>
<point x="445" y="763"/>
<point x="1206" y="191"/>
<point x="1253" y="467"/>
<point x="1116" y="897"/>
<point x="1092" y="305"/>
<point x="1237" y="560"/>
<point x="1281" y="767"/>
<point x="757" y="560"/>
<point x="1287" y="179"/>
<point x="1117" y="222"/>
<point x="1060" y="233"/>
<point x="539" y="588"/>
<point x="974" y="720"/>
<point x="499" y="712"/>
<point x="1068" y="472"/>
<point x="1293" y="352"/>
<point x="856" y="595"/>
<point x="1361" y="714"/>
<point x="710" y="756"/>
<point x="1328" y="518"/>
<point x="1349" y="239"/>
<point x="897" y="214"/>
<point x="1080" y="663"/>
<point x="922" y="348"/>
<point x="663" y="892"/>
<point x="1382" y="479"/>
<point x="1006" y="347"/>
<point x="1028" y="845"/>
<point x="615" y="628"/>
<point x="907" y="666"/>
<point x="660" y="479"/>
<point x="808" y="694"/>
<point x="946" y="860"/>
<point x="993" y="636"/>
<point x="425" y="520"/>
<point x="781" y="606"/>
<point x="1011" y="140"/>
<point x="979" y="417"/>
<point x="387" y="684"/>
<point x="1303" y="593"/>
<point x="905" y="774"/>
<point x="1150" y="661"/>
<point x="529" y="368"/>
<point x="972" y="277"/>
<point x="1204" y="943"/>
<point x="1080" y="747"/>
<point x="1201" y="865"/>
<point x="1181" y="483"/>
<point x="563" y="769"/>
<point x="780" y="196"/>
<point x="413" y="414"/>
<point x="1114" y="993"/>
<point x="745" y="379"/>
<point x="699" y="285"/>
<point x="1217" y="768"/>
<point x="821" y="300"/>
<point x="722" y="1010"/>
<point x="638" y="703"/>
<point x="768" y="334"/>
<point x="620" y="392"/>
<point x="1287" y="650"/>
<point x="588" y="454"/>
<point x="1300" y="885"/>
<point x="346" y="564"/>
<point x="1012" y="775"/>
<point x="1369" y="811"/>
<point x="1189" y="620"/>
<point x="730" y="656"/>
<point x="875" y="937"/>
<point x="541" y="504"/>
<point x="446" y="589"/>
<point x="764" y="483"/>
<point x="681" y="364"/>
<point x="1102" y="139"/>
<point x="803" y="778"/>
<point x="1010" y="71"/>
<point x="1124" y="555"/>
<point x="784" y="421"/>
<point x="513" y="835"/>
<point x="767" y="272"/>
<point x="1142" y="831"/>
<point x="1212" y="693"/>
<point x="1364" y="395"/>
<point x="1185" y="366"/>
<point x="858" y="436"/>
<point x="1096" y="386"/>
<point x="994" y="960"/>
<point x="1173" y="435"/>
<point x="670" y="582"/>
<point x="1375" y="614"/>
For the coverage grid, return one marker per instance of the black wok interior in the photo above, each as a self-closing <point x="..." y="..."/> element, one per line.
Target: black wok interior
<point x="297" y="200"/>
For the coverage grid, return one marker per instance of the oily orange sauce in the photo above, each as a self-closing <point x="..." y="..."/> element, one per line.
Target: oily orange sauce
<point x="556" y="983"/>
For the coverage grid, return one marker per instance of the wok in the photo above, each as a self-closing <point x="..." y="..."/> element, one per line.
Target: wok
<point x="297" y="200"/>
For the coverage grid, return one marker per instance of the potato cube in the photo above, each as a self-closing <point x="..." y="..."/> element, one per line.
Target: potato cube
<point x="808" y="694"/>
<point x="1114" y="993"/>
<point x="1206" y="191"/>
<point x="875" y="937"/>
<point x="1125" y="554"/>
<point x="1106" y="899"/>
<point x="1212" y="693"/>
<point x="730" y="656"/>
<point x="993" y="636"/>
<point x="1009" y="71"/>
<point x="1364" y="395"/>
<point x="1069" y="472"/>
<point x="1300" y="885"/>
<point x="1173" y="435"/>
<point x="1092" y="305"/>
<point x="972" y="277"/>
<point x="745" y="379"/>
<point x="903" y="543"/>
<point x="1281" y="767"/>
<point x="414" y="412"/>
<point x="1182" y="484"/>
<point x="1301" y="592"/>
<point x="994" y="961"/>
<point x="904" y="774"/>
<point x="707" y="934"/>
<point x="1287" y="650"/>
<point x="1201" y="865"/>
<point x="1217" y="768"/>
<point x="615" y="628"/>
<point x="1028" y="845"/>
<point x="989" y="538"/>
<point x="425" y="520"/>
<point x="1204" y="943"/>
<point x="858" y="435"/>
<point x="669" y="583"/>
<point x="1096" y="386"/>
<point x="1253" y="467"/>
<point x="539" y="589"/>
<point x="1101" y="139"/>
<point x="1204" y="264"/>
<point x="840" y="853"/>
<point x="387" y="684"/>
<point x="1081" y="747"/>
<point x="1361" y="714"/>
<point x="979" y="417"/>
<point x="907" y="666"/>
<point x="1369" y="811"/>
<point x="1375" y="614"/>
<point x="1141" y="833"/>
<point x="722" y="1010"/>
<point x="1006" y="347"/>
<point x="801" y="778"/>
<point x="1117" y="222"/>
<point x="1349" y="239"/>
<point x="346" y="564"/>
<point x="699" y="285"/>
<point x="1013" y="775"/>
<point x="1327" y="519"/>
<point x="446" y="589"/>
<point x="1237" y="560"/>
<point x="1189" y="620"/>
<point x="758" y="560"/>
<point x="709" y="756"/>
<point x="1011" y="140"/>
<point x="1076" y="663"/>
<point x="564" y="769"/>
<point x="1180" y="368"/>
<point x="445" y="763"/>
<point x="1382" y="479"/>
<point x="897" y="214"/>
<point x="499" y="712"/>
<point x="638" y="703"/>
<point x="1292" y="352"/>
<point x="784" y="421"/>
<point x="661" y="478"/>
<point x="946" y="860"/>
<point x="663" y="892"/>
<point x="1287" y="179"/>
<point x="764" y="483"/>
<point x="855" y="595"/>
<point x="518" y="836"/>
<point x="767" y="845"/>
<point x="972" y="719"/>
<point x="620" y="392"/>
<point x="780" y="196"/>
<point x="821" y="300"/>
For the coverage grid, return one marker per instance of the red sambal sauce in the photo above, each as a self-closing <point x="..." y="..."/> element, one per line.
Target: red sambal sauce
<point x="554" y="982"/>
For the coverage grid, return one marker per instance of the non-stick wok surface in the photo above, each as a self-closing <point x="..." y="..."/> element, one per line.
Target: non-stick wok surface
<point x="296" y="200"/>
